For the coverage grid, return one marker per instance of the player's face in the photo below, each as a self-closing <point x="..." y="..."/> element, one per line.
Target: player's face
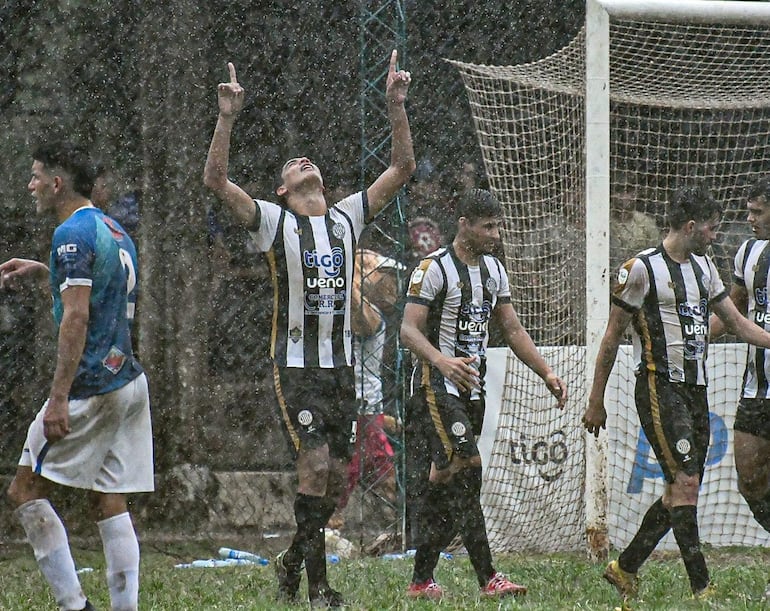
<point x="42" y="188"/>
<point x="759" y="217"/>
<point x="703" y="234"/>
<point x="300" y="170"/>
<point x="482" y="235"/>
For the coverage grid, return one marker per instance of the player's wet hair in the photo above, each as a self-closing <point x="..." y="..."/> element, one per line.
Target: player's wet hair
<point x="692" y="203"/>
<point x="70" y="158"/>
<point x="475" y="204"/>
<point x="760" y="189"/>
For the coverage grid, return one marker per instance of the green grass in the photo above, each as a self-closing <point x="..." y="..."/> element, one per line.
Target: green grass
<point x="555" y="582"/>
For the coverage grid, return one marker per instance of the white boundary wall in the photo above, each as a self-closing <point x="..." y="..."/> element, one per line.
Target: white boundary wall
<point x="723" y="515"/>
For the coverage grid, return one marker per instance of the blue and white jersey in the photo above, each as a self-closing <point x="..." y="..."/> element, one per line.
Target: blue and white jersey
<point x="84" y="252"/>
<point x="130" y="263"/>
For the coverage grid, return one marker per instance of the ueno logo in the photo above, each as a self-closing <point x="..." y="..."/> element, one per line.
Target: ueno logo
<point x="330" y="263"/>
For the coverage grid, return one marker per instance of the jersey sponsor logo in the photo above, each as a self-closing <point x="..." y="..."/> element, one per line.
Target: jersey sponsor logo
<point x="694" y="349"/>
<point x="696" y="328"/>
<point x="760" y="295"/>
<point x="622" y="276"/>
<point x="325" y="283"/>
<point x="67" y="249"/>
<point x="329" y="263"/>
<point x="699" y="310"/>
<point x="761" y="318"/>
<point x="472" y="326"/>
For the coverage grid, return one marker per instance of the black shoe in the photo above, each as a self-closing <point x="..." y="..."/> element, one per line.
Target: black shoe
<point x="88" y="607"/>
<point x="288" y="580"/>
<point x="324" y="596"/>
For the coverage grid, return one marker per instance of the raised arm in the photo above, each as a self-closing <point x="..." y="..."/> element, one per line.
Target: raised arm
<point x="402" y="163"/>
<point x="524" y="348"/>
<point x="595" y="417"/>
<point x="230" y="99"/>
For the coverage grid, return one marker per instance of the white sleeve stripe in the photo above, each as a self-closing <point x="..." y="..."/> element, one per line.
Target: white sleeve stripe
<point x="68" y="282"/>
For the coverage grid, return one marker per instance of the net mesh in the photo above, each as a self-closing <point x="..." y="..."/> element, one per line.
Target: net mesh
<point x="687" y="101"/>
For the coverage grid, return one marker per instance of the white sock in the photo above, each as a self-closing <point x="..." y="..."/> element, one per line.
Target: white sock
<point x="48" y="539"/>
<point x="121" y="551"/>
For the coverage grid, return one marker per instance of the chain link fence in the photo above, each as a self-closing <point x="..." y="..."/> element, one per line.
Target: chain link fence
<point x="141" y="92"/>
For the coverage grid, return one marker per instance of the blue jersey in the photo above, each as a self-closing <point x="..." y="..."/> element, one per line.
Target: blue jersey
<point x="130" y="264"/>
<point x="84" y="252"/>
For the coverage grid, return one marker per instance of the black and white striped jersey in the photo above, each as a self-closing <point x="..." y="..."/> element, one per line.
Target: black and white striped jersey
<point x="460" y="299"/>
<point x="752" y="268"/>
<point x="671" y="303"/>
<point x="311" y="264"/>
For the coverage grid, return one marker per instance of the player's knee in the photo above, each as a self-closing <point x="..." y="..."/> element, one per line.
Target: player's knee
<point x="684" y="490"/>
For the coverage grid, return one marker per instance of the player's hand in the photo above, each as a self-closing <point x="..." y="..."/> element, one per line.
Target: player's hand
<point x="595" y="417"/>
<point x="558" y="389"/>
<point x="230" y="95"/>
<point x="460" y="371"/>
<point x="56" y="424"/>
<point x="14" y="269"/>
<point x="398" y="82"/>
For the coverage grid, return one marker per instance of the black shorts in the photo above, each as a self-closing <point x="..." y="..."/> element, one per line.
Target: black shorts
<point x="451" y="424"/>
<point x="318" y="407"/>
<point x="753" y="417"/>
<point x="675" y="419"/>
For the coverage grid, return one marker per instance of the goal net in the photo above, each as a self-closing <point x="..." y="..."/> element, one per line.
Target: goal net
<point x="686" y="100"/>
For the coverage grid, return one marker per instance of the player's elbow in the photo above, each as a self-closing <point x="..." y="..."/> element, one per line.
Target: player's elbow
<point x="214" y="181"/>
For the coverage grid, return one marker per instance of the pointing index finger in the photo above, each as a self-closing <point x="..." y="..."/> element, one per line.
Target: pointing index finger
<point x="231" y="69"/>
<point x="393" y="60"/>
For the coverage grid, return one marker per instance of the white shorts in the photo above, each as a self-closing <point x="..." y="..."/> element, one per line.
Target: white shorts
<point x="108" y="448"/>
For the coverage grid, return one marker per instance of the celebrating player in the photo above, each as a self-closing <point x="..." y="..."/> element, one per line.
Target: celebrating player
<point x="94" y="430"/>
<point x="667" y="292"/>
<point x="311" y="247"/>
<point x="752" y="419"/>
<point x="452" y="295"/>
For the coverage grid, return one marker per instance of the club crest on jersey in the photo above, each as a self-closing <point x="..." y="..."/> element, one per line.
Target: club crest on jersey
<point x="760" y="295"/>
<point x="338" y="230"/>
<point x="114" y="360"/>
<point x="329" y="263"/>
<point x="622" y="275"/>
<point x="491" y="285"/>
<point x="298" y="230"/>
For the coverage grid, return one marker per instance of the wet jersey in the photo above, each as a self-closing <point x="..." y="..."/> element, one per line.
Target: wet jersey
<point x="311" y="265"/>
<point x="752" y="269"/>
<point x="670" y="302"/>
<point x="460" y="299"/>
<point x="130" y="264"/>
<point x="85" y="253"/>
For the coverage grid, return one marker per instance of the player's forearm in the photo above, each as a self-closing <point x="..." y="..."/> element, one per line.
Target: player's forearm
<point x="69" y="351"/>
<point x="413" y="339"/>
<point x="525" y="350"/>
<point x="218" y="158"/>
<point x="605" y="361"/>
<point x="402" y="150"/>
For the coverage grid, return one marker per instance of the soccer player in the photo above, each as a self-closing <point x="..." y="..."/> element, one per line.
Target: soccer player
<point x="752" y="419"/>
<point x="667" y="292"/>
<point x="310" y="247"/>
<point x="453" y="293"/>
<point x="94" y="430"/>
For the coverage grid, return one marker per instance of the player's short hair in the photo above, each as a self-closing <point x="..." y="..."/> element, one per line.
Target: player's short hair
<point x="475" y="204"/>
<point x="692" y="203"/>
<point x="760" y="189"/>
<point x="72" y="159"/>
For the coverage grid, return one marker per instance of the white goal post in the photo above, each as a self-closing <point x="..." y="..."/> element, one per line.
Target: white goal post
<point x="650" y="94"/>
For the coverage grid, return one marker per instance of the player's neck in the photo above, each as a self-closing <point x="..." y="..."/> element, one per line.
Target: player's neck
<point x="465" y="254"/>
<point x="675" y="245"/>
<point x="68" y="206"/>
<point x="308" y="204"/>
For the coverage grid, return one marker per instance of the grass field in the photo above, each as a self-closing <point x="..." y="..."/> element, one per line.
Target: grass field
<point x="555" y="582"/>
